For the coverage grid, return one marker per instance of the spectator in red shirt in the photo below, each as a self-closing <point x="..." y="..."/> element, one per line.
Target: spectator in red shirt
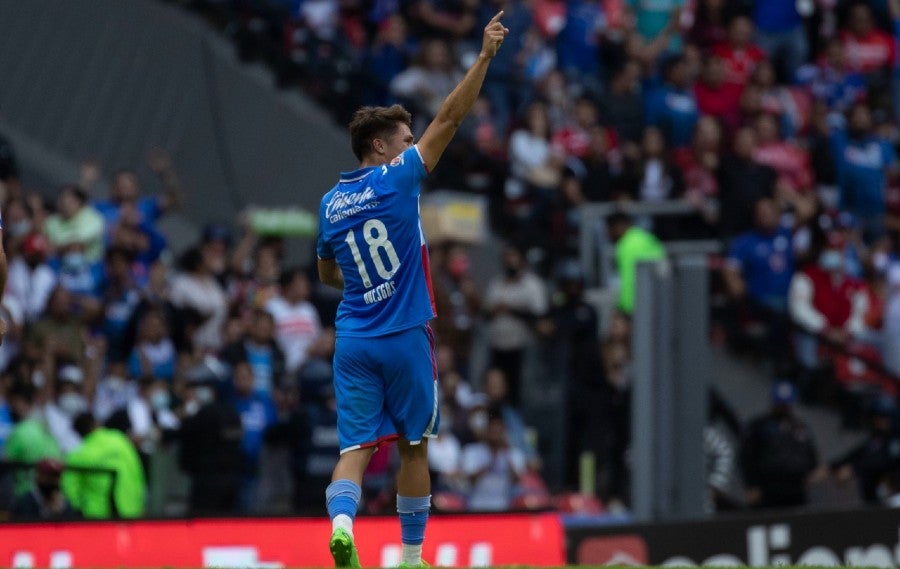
<point x="699" y="165"/>
<point x="824" y="300"/>
<point x="869" y="50"/>
<point x="791" y="162"/>
<point x="739" y="53"/>
<point x="574" y="139"/>
<point x="714" y="96"/>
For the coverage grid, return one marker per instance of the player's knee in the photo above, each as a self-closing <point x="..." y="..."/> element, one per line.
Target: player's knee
<point x="412" y="452"/>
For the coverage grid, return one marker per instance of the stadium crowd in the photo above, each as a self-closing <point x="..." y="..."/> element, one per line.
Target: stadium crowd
<point x="776" y="120"/>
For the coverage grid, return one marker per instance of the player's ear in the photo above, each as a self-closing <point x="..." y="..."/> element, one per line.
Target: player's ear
<point x="378" y="145"/>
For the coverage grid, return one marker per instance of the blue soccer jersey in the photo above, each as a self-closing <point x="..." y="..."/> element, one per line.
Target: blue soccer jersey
<point x="369" y="223"/>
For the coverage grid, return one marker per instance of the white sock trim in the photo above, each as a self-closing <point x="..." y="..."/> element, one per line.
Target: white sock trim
<point x="412" y="554"/>
<point x="342" y="521"/>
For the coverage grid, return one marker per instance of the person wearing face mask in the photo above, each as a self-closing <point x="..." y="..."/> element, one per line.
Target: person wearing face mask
<point x="778" y="454"/>
<point x="211" y="453"/>
<point x="824" y="301"/>
<point x="147" y="419"/>
<point x="513" y="303"/>
<point x="45" y="501"/>
<point x="69" y="401"/>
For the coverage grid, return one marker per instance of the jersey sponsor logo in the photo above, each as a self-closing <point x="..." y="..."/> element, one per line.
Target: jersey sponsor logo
<point x="345" y="204"/>
<point x="398" y="161"/>
<point x="380" y="292"/>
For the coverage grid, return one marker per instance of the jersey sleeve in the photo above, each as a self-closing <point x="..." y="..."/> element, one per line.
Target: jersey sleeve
<point x="406" y="172"/>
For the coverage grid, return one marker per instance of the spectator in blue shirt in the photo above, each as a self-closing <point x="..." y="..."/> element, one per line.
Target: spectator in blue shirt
<point x="385" y="58"/>
<point x="863" y="161"/>
<point x="760" y="262"/>
<point x="672" y="106"/>
<point x="257" y="412"/>
<point x="781" y="34"/>
<point x="125" y="189"/>
<point x="758" y="273"/>
<point x="260" y="350"/>
<point x="578" y="43"/>
<point x="81" y="277"/>
<point x="831" y="79"/>
<point x="121" y="296"/>
<point x="134" y="232"/>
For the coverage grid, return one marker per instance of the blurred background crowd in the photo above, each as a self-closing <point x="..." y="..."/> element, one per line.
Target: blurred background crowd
<point x="775" y="122"/>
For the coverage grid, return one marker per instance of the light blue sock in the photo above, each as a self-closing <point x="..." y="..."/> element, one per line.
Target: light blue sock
<point x="342" y="498"/>
<point x="413" y="517"/>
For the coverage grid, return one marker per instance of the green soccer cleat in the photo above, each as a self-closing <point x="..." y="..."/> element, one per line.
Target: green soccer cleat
<point x="343" y="549"/>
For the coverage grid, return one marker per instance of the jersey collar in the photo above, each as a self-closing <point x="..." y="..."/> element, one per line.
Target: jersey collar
<point x="356" y="175"/>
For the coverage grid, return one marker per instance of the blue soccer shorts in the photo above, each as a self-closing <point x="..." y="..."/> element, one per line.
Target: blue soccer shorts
<point x="386" y="387"/>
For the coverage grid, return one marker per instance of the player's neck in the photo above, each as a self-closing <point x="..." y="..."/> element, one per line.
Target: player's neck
<point x="372" y="161"/>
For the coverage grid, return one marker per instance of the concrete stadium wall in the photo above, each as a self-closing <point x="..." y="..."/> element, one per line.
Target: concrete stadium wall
<point x="112" y="79"/>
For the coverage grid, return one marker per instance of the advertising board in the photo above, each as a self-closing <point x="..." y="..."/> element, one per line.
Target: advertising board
<point x="474" y="541"/>
<point x="856" y="538"/>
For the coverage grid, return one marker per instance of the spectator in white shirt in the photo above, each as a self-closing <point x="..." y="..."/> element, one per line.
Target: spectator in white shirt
<point x="494" y="468"/>
<point x="513" y="303"/>
<point x="30" y="279"/>
<point x="297" y="323"/>
<point x="68" y="403"/>
<point x="531" y="156"/>
<point x="197" y="289"/>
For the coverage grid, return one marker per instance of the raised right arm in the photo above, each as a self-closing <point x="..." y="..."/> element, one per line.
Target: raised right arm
<point x="457" y="105"/>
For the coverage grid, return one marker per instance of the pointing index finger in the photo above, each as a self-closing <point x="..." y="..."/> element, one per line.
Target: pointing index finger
<point x="496" y="18"/>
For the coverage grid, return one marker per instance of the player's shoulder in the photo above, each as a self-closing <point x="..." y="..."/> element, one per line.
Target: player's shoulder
<point x="409" y="158"/>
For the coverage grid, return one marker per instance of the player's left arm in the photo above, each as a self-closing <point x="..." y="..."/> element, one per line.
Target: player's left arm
<point x="330" y="273"/>
<point x="457" y="105"/>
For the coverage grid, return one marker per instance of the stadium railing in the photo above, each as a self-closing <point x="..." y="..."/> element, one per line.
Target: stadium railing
<point x="597" y="253"/>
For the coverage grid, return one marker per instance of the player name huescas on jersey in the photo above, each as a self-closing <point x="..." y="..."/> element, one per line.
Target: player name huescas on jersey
<point x="369" y="223"/>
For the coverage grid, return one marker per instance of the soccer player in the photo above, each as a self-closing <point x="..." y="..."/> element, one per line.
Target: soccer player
<point x="371" y="245"/>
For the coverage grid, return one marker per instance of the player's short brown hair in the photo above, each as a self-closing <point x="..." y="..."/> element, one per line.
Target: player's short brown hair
<point x="370" y="123"/>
